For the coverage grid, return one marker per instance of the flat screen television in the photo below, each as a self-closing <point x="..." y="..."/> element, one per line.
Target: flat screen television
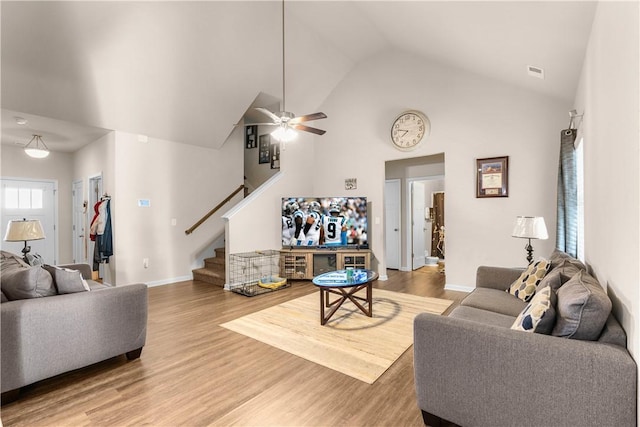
<point x="324" y="222"/>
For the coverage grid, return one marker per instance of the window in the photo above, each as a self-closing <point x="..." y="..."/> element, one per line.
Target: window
<point x="23" y="198"/>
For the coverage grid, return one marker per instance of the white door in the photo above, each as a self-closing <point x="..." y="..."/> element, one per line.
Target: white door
<point x="418" y="234"/>
<point x="28" y="199"/>
<point x="79" y="206"/>
<point x="392" y="210"/>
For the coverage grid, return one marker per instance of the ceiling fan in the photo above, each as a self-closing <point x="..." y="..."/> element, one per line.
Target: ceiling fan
<point x="285" y="120"/>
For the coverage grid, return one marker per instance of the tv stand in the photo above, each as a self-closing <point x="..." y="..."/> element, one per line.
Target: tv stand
<point x="304" y="264"/>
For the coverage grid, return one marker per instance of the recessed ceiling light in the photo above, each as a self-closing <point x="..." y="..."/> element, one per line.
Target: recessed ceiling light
<point x="21" y="121"/>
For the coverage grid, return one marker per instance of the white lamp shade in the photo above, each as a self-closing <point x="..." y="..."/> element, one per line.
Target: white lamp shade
<point x="23" y="230"/>
<point x="530" y="227"/>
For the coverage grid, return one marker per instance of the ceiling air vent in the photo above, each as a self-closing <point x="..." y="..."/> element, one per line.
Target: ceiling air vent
<point x="535" y="71"/>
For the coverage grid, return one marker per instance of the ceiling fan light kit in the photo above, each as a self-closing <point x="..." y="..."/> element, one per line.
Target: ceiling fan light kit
<point x="287" y="122"/>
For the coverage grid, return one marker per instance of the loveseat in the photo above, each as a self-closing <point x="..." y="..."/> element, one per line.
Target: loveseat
<point x="55" y="320"/>
<point x="500" y="361"/>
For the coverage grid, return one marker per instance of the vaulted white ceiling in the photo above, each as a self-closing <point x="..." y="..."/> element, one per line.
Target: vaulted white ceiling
<point x="188" y="71"/>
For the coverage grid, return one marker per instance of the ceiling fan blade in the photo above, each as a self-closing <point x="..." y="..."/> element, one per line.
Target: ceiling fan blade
<point x="308" y="129"/>
<point x="269" y="113"/>
<point x="261" y="124"/>
<point x="308" y="117"/>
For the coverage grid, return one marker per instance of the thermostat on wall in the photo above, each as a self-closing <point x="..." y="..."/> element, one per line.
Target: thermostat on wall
<point x="144" y="203"/>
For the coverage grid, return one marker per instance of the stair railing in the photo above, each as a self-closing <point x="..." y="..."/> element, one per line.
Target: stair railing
<point x="212" y="211"/>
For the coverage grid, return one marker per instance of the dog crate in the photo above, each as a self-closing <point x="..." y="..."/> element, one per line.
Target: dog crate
<point x="255" y="273"/>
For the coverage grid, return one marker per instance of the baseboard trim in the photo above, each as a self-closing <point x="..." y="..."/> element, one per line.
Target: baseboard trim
<point x="460" y="288"/>
<point x="169" y="281"/>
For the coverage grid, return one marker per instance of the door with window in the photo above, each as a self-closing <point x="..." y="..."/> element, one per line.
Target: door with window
<point x="30" y="199"/>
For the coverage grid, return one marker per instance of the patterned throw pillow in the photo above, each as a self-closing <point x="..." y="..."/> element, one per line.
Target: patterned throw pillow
<point x="525" y="286"/>
<point x="539" y="315"/>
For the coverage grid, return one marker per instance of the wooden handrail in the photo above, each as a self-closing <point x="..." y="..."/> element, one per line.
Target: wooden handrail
<point x="212" y="211"/>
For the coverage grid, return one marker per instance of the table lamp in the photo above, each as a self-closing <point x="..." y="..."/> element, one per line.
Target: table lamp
<point x="24" y="230"/>
<point x="530" y="227"/>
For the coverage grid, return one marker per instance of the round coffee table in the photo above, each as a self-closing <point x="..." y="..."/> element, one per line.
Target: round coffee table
<point x="345" y="284"/>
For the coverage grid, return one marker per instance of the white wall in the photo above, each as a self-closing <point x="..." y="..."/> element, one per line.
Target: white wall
<point x="608" y="96"/>
<point x="98" y="158"/>
<point x="472" y="117"/>
<point x="182" y="182"/>
<point x="57" y="167"/>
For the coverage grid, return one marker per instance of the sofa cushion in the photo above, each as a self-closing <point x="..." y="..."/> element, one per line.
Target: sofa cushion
<point x="24" y="283"/>
<point x="9" y="261"/>
<point x="494" y="300"/>
<point x="67" y="281"/>
<point x="524" y="286"/>
<point x="557" y="257"/>
<point x="482" y="316"/>
<point x="583" y="308"/>
<point x="539" y="315"/>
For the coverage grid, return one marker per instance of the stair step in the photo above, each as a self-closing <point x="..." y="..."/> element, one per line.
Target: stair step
<point x="209" y="276"/>
<point x="214" y="261"/>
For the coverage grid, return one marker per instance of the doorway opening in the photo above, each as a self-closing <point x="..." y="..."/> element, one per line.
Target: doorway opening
<point x="418" y="181"/>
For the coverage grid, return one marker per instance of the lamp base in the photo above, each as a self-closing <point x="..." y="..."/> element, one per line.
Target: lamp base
<point x="529" y="250"/>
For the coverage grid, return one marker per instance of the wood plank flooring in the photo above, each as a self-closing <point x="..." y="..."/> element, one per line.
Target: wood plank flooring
<point x="195" y="373"/>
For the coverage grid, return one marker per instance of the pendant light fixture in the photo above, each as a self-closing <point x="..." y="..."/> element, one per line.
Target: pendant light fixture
<point x="36" y="148"/>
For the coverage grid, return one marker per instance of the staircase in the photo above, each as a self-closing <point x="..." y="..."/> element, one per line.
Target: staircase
<point x="213" y="270"/>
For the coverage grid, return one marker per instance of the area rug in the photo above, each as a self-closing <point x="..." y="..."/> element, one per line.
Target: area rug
<point x="352" y="343"/>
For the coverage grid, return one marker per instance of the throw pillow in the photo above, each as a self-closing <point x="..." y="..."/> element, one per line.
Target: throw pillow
<point x="24" y="283"/>
<point x="539" y="315"/>
<point x="583" y="308"/>
<point x="557" y="257"/>
<point x="560" y="272"/>
<point x="67" y="281"/>
<point x="525" y="286"/>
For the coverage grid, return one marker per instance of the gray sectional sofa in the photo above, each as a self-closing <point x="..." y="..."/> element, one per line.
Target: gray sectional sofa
<point x="52" y="324"/>
<point x="473" y="369"/>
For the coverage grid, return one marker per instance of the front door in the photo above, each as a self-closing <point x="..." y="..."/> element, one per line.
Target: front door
<point x="30" y="199"/>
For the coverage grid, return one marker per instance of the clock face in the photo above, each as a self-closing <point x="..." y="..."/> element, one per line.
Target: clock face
<point x="409" y="129"/>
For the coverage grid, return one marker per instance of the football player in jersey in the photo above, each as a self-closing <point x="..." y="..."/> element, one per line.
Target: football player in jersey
<point x="313" y="224"/>
<point x="288" y="228"/>
<point x="334" y="227"/>
<point x="298" y="238"/>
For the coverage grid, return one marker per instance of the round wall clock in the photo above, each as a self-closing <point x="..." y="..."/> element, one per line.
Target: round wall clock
<point x="409" y="129"/>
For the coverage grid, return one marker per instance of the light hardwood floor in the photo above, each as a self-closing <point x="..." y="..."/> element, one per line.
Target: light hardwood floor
<point x="193" y="372"/>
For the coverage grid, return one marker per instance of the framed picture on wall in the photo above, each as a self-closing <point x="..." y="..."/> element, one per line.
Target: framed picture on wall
<point x="250" y="136"/>
<point x="492" y="177"/>
<point x="264" y="155"/>
<point x="274" y="153"/>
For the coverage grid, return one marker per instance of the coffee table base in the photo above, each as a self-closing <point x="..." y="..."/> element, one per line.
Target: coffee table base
<point x="344" y="294"/>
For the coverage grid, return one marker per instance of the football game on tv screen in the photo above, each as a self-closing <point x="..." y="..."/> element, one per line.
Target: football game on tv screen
<point x="324" y="222"/>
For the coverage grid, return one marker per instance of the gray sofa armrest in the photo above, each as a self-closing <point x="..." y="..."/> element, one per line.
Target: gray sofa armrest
<point x="496" y="277"/>
<point x="85" y="269"/>
<point x="477" y="375"/>
<point x="43" y="337"/>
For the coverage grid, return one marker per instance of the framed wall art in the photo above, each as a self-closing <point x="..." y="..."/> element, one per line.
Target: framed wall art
<point x="250" y="136"/>
<point x="264" y="141"/>
<point x="492" y="177"/>
<point x="274" y="154"/>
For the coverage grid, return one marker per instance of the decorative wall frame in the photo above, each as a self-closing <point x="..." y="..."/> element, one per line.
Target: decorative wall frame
<point x="264" y="141"/>
<point x="251" y="136"/>
<point x="274" y="154"/>
<point x="492" y="177"/>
